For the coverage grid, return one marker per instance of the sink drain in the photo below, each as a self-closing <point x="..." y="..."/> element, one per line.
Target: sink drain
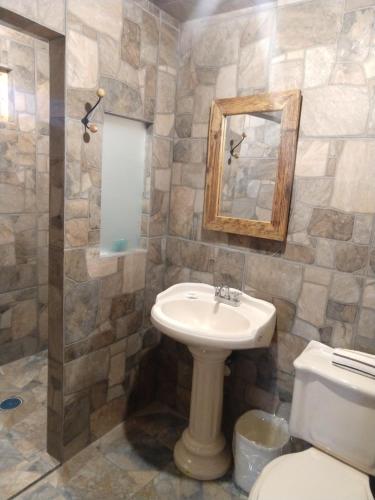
<point x="11" y="403"/>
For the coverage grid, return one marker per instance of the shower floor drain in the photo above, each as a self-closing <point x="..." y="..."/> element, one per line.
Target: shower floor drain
<point x="11" y="403"/>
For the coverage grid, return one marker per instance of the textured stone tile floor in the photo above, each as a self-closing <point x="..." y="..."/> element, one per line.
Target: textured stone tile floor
<point x="23" y="456"/>
<point x="135" y="461"/>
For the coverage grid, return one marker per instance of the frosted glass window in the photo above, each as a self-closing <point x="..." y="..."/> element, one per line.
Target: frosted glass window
<point x="123" y="160"/>
<point x="4" y="110"/>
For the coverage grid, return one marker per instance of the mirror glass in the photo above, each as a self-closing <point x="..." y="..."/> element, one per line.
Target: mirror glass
<point x="250" y="165"/>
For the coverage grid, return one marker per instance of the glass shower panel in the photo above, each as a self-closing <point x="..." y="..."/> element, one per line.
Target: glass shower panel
<point x="123" y="164"/>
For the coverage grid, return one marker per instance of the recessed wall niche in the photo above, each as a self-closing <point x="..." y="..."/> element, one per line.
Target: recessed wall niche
<point x="123" y="165"/>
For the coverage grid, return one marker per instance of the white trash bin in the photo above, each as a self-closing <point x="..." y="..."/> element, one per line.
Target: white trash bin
<point x="259" y="437"/>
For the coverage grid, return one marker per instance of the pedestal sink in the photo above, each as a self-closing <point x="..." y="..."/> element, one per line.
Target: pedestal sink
<point x="189" y="313"/>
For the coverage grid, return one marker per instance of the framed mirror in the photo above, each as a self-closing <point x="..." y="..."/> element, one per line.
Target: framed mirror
<point x="252" y="147"/>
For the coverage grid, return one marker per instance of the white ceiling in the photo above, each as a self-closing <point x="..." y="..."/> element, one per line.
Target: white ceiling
<point x="189" y="9"/>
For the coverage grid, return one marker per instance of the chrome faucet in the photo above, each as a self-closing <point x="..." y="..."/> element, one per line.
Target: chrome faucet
<point x="227" y="295"/>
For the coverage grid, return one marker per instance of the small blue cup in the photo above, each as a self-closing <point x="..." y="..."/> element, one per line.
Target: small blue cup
<point x="120" y="245"/>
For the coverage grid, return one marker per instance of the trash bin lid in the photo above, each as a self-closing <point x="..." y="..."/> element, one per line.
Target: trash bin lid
<point x="310" y="475"/>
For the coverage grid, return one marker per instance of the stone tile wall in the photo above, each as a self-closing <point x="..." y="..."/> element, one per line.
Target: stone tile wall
<point x="322" y="280"/>
<point x="130" y="49"/>
<point x="24" y="188"/>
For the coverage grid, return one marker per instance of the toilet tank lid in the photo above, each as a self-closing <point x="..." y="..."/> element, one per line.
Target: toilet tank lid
<point x="317" y="358"/>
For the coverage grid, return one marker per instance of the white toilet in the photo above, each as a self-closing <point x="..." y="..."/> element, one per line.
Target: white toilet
<point x="334" y="410"/>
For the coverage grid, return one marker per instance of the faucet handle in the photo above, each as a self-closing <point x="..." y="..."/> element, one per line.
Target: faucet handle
<point x="236" y="295"/>
<point x="227" y="293"/>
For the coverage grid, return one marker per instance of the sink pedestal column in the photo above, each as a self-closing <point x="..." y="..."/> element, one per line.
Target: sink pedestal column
<point x="201" y="452"/>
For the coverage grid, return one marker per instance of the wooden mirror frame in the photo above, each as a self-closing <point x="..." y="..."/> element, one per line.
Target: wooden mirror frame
<point x="289" y="102"/>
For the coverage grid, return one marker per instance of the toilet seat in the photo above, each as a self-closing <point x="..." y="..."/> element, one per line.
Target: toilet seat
<point x="310" y="475"/>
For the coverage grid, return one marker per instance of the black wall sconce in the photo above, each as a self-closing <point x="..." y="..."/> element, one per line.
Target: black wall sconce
<point x="89" y="126"/>
<point x="233" y="153"/>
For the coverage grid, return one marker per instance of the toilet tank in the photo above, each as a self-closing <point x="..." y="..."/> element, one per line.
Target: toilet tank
<point x="334" y="409"/>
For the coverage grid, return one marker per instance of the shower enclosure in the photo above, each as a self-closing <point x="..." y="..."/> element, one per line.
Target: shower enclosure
<point x="24" y="221"/>
<point x="24" y="183"/>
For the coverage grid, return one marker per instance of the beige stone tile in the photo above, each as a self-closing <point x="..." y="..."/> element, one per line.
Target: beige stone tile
<point x="318" y="65"/>
<point x="325" y="253"/>
<point x="312" y="303"/>
<point x="317" y="275"/>
<point x="11" y="198"/>
<point x="273" y="276"/>
<point x="348" y="74"/>
<point x="168" y="46"/>
<point x="334" y="111"/>
<point x="185" y="104"/>
<point x="182" y="202"/>
<point x="106" y="18"/>
<point x="368" y="299"/>
<point x="86" y="371"/>
<point x="117" y="369"/>
<point x="369" y="64"/>
<point x="307" y="24"/>
<point x="162" y="179"/>
<point x="166" y="93"/>
<point x="357" y="4"/>
<point x="342" y="335"/>
<point x="355" y="37"/>
<point x="52" y="13"/>
<point x="217" y="45"/>
<point x="346" y="289"/>
<point x="258" y="25"/>
<point x="366" y="324"/>
<point x="286" y="75"/>
<point x="76" y="209"/>
<point x="150" y="38"/>
<point x="76" y="232"/>
<point x="99" y="267"/>
<point x="203" y="97"/>
<point x="134" y="272"/>
<point x="253" y="70"/>
<point x="199" y="130"/>
<point x="353" y="189"/>
<point x="109" y="55"/>
<point x="362" y="228"/>
<point x="82" y="61"/>
<point x="314" y="191"/>
<point x="288" y="347"/>
<point x="161" y="153"/>
<point x="189" y="151"/>
<point x="311" y="158"/>
<point x="163" y="124"/>
<point x="24" y="319"/>
<point x="226" y="84"/>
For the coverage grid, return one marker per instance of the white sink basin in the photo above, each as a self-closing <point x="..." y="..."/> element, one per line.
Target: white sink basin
<point x="189" y="313"/>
